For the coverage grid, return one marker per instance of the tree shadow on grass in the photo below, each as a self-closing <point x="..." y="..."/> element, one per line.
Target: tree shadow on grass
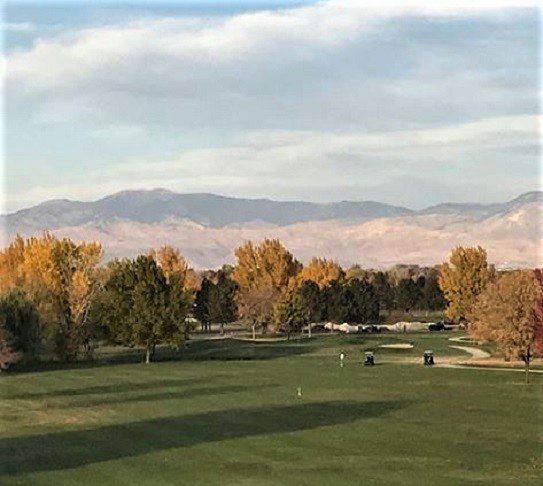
<point x="166" y="395"/>
<point x="197" y="350"/>
<point x="234" y="350"/>
<point x="72" y="449"/>
<point x="114" y="388"/>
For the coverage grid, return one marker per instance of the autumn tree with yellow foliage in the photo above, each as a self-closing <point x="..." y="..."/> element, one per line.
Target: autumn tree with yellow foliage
<point x="76" y="266"/>
<point x="11" y="259"/>
<point x="262" y="273"/>
<point x="170" y="260"/>
<point x="463" y="278"/>
<point x="59" y="277"/>
<point x="538" y="313"/>
<point x="504" y="313"/>
<point x="321" y="271"/>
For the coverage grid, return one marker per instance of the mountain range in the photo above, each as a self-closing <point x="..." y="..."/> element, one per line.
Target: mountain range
<point x="207" y="227"/>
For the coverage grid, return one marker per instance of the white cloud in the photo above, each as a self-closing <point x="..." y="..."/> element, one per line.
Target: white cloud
<point x="333" y="94"/>
<point x="295" y="154"/>
<point x="98" y="53"/>
<point x="269" y="67"/>
<point x="319" y="166"/>
<point x="443" y="6"/>
<point x="75" y="56"/>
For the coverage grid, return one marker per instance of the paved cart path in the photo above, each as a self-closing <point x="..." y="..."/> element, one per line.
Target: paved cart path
<point x="483" y="368"/>
<point x="475" y="352"/>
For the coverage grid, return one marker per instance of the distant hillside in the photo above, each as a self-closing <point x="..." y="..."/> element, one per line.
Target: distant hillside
<point x="159" y="205"/>
<point x="208" y="227"/>
<point x="484" y="210"/>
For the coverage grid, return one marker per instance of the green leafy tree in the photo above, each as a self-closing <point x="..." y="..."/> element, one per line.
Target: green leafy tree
<point x="290" y="313"/>
<point x="141" y="307"/>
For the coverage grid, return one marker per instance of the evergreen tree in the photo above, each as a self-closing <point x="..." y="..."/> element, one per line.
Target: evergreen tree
<point x="20" y="323"/>
<point x="313" y="301"/>
<point x="202" y="304"/>
<point x="363" y="304"/>
<point x="222" y="301"/>
<point x="384" y="291"/>
<point x="337" y="302"/>
<point x="8" y="354"/>
<point x="408" y="294"/>
<point x="432" y="296"/>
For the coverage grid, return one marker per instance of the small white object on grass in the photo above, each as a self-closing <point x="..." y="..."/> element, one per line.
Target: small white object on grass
<point x="299" y="391"/>
<point x="341" y="358"/>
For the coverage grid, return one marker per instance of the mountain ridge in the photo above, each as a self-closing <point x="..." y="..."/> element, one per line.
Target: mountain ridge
<point x="208" y="227"/>
<point x="151" y="206"/>
<point x="116" y="205"/>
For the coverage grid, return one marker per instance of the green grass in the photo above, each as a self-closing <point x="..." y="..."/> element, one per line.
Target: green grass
<point x="226" y="421"/>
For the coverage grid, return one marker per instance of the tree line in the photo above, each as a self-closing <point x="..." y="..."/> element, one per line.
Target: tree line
<point x="59" y="296"/>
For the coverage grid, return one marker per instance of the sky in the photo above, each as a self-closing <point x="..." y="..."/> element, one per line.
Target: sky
<point x="406" y="103"/>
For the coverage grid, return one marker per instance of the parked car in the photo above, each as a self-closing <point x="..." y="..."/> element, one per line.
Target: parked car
<point x="368" y="328"/>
